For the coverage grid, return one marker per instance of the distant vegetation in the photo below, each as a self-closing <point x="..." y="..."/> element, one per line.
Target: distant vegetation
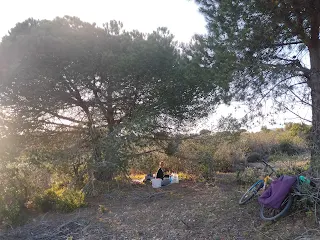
<point x="59" y="185"/>
<point x="208" y="152"/>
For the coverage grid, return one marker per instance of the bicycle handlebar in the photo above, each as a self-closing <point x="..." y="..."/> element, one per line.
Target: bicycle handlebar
<point x="268" y="165"/>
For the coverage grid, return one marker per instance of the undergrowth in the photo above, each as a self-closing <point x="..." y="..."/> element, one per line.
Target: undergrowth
<point x="63" y="200"/>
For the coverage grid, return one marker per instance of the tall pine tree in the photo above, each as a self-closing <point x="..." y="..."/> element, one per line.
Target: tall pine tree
<point x="261" y="42"/>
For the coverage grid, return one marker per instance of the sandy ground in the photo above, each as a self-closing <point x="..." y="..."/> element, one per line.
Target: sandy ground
<point x="187" y="210"/>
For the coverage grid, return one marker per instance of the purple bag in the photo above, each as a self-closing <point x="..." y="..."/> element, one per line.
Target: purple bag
<point x="276" y="193"/>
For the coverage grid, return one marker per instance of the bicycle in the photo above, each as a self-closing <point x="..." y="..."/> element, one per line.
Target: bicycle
<point x="271" y="214"/>
<point x="297" y="192"/>
<point x="257" y="186"/>
<point x="268" y="214"/>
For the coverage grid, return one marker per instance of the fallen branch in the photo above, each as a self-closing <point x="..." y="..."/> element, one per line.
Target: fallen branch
<point x="188" y="227"/>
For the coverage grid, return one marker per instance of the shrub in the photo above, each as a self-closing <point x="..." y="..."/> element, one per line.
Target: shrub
<point x="19" y="180"/>
<point x="254" y="157"/>
<point x="47" y="201"/>
<point x="225" y="156"/>
<point x="292" y="171"/>
<point x="298" y="129"/>
<point x="11" y="214"/>
<point x="260" y="142"/>
<point x="224" y="151"/>
<point x="71" y="200"/>
<point x="288" y="148"/>
<point x="146" y="163"/>
<point x="249" y="175"/>
<point x="64" y="200"/>
<point x="270" y="142"/>
<point x="12" y="202"/>
<point x="206" y="166"/>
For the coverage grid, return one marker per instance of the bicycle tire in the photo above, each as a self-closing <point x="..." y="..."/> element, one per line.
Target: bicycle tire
<point x="282" y="212"/>
<point x="251" y="192"/>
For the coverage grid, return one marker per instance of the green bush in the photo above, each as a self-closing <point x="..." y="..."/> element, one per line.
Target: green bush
<point x="298" y="129"/>
<point x="285" y="158"/>
<point x="206" y="154"/>
<point x="47" y="201"/>
<point x="206" y="165"/>
<point x="11" y="214"/>
<point x="274" y="141"/>
<point x="289" y="148"/>
<point x="292" y="171"/>
<point x="249" y="175"/>
<point x="227" y="155"/>
<point x="63" y="200"/>
<point x="71" y="200"/>
<point x="254" y="157"/>
<point x="12" y="199"/>
<point x="260" y="142"/>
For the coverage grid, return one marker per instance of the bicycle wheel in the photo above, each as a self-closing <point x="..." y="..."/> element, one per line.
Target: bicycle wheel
<point x="270" y="214"/>
<point x="251" y="192"/>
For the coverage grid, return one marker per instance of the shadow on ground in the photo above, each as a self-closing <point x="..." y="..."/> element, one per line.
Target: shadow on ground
<point x="186" y="210"/>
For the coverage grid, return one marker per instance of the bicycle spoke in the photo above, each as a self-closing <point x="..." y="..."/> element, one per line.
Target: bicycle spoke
<point x="251" y="192"/>
<point x="273" y="214"/>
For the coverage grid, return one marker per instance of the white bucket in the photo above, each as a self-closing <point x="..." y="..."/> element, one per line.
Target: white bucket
<point x="156" y="182"/>
<point x="174" y="178"/>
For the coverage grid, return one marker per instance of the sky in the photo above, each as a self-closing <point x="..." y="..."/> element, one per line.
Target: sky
<point x="181" y="17"/>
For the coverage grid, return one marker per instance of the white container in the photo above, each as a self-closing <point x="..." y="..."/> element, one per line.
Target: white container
<point x="174" y="178"/>
<point x="156" y="182"/>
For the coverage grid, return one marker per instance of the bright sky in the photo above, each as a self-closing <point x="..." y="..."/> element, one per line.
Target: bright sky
<point x="180" y="16"/>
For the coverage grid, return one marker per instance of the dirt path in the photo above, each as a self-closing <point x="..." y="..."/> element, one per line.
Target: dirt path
<point x="180" y="211"/>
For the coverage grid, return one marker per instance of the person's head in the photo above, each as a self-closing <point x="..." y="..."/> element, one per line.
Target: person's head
<point x="161" y="164"/>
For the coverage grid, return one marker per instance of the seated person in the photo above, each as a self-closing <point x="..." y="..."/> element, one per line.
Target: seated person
<point x="160" y="174"/>
<point x="148" y="177"/>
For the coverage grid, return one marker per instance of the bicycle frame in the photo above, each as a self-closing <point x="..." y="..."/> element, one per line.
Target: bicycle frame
<point x="254" y="189"/>
<point x="268" y="177"/>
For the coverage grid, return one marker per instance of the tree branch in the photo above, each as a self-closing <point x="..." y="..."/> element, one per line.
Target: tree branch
<point x="146" y="152"/>
<point x="101" y="106"/>
<point x="301" y="100"/>
<point x="288" y="109"/>
<point x="80" y="102"/>
<point x="286" y="44"/>
<point x="264" y="95"/>
<point x="60" y="124"/>
<point x="305" y="70"/>
<point x="58" y="115"/>
<point x="299" y="83"/>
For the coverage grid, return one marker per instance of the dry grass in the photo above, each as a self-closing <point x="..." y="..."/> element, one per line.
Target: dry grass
<point x="187" y="210"/>
<point x="138" y="177"/>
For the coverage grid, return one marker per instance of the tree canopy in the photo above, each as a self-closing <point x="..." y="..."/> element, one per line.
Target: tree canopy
<point x="258" y="48"/>
<point x="112" y="90"/>
<point x="72" y="70"/>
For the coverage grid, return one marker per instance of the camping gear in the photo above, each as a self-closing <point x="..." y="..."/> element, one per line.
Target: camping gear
<point x="303" y="179"/>
<point x="165" y="182"/>
<point x="156" y="182"/>
<point x="148" y="177"/>
<point x="277" y="192"/>
<point x="174" y="178"/>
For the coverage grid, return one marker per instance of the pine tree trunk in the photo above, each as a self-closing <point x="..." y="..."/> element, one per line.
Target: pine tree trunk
<point x="315" y="95"/>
